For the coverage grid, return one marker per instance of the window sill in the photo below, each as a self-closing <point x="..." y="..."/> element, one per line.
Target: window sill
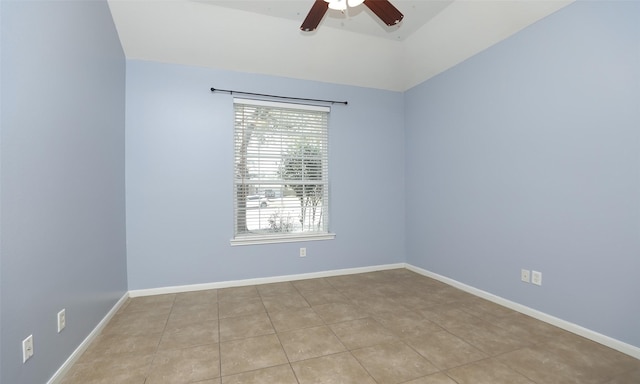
<point x="273" y="239"/>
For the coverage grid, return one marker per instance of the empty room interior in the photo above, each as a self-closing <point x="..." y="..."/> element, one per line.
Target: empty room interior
<point x="475" y="215"/>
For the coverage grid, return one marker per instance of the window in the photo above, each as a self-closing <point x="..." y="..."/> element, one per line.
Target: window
<point x="281" y="185"/>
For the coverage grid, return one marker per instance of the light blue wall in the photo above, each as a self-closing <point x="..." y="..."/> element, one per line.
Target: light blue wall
<point x="62" y="179"/>
<point x="179" y="162"/>
<point x="528" y="156"/>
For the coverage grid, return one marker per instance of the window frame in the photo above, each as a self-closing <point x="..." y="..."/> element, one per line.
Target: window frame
<point x="263" y="236"/>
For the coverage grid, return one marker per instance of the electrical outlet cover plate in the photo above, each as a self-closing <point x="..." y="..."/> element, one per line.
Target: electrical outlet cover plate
<point x="27" y="348"/>
<point x="525" y="275"/>
<point x="303" y="252"/>
<point x="536" y="277"/>
<point x="62" y="320"/>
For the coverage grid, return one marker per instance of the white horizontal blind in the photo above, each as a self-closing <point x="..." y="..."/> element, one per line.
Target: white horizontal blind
<point x="281" y="169"/>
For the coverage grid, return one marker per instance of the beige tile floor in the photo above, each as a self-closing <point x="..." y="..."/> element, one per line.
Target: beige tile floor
<point x="382" y="327"/>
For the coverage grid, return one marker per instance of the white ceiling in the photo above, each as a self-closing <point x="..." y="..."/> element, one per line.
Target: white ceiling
<point x="263" y="36"/>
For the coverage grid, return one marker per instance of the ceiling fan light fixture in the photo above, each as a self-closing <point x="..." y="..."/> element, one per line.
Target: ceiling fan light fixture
<point x="389" y="14"/>
<point x="338" y="5"/>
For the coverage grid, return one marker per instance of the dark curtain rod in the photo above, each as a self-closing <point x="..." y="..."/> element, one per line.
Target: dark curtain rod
<point x="278" y="97"/>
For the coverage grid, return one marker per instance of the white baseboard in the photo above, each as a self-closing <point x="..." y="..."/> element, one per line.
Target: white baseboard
<point x="62" y="371"/>
<point x="610" y="342"/>
<point x="264" y="280"/>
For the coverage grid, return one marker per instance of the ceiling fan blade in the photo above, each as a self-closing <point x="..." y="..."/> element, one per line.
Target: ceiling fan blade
<point x="315" y="16"/>
<point x="385" y="11"/>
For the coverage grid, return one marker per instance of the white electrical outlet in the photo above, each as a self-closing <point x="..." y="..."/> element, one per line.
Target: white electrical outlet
<point x="525" y="275"/>
<point x="303" y="252"/>
<point x="62" y="320"/>
<point x="536" y="277"/>
<point x="27" y="348"/>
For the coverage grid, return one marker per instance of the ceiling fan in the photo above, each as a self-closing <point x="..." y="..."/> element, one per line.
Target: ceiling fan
<point x="382" y="8"/>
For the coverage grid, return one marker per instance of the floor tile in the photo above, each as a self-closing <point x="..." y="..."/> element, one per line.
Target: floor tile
<point x="285" y="302"/>
<point x="596" y="359"/>
<point x="340" y="368"/>
<point x="401" y="275"/>
<point x="307" y="343"/>
<point x="136" y="323"/>
<point x="438" y="378"/>
<point x="281" y="374"/>
<point x="450" y="315"/>
<point x="126" y="368"/>
<point x="541" y="366"/>
<point x="346" y="281"/>
<point x="417" y="300"/>
<point x="241" y="327"/>
<point x="188" y="365"/>
<point x="361" y="333"/>
<point x="426" y="284"/>
<point x="250" y="354"/>
<point x="487" y="371"/>
<point x="209" y="296"/>
<point x="311" y="285"/>
<point x="337" y="312"/>
<point x="360" y="292"/>
<point x="240" y="307"/>
<point x="485" y="309"/>
<point x="629" y="377"/>
<point x="295" y="319"/>
<point x="324" y="296"/>
<point x="489" y="338"/>
<point x="454" y="295"/>
<point x="193" y="312"/>
<point x="276" y="289"/>
<point x="393" y="291"/>
<point x="113" y="344"/>
<point x="393" y="363"/>
<point x="527" y="328"/>
<point x="445" y="350"/>
<point x="407" y="324"/>
<point x="237" y="293"/>
<point x="190" y="335"/>
<point x="155" y="304"/>
<point x="379" y="305"/>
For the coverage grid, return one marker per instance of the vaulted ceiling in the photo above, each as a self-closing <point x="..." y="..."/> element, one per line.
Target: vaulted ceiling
<point x="354" y="48"/>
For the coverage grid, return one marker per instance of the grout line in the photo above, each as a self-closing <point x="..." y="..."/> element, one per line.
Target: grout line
<point x="219" y="335"/>
<point x="155" y="354"/>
